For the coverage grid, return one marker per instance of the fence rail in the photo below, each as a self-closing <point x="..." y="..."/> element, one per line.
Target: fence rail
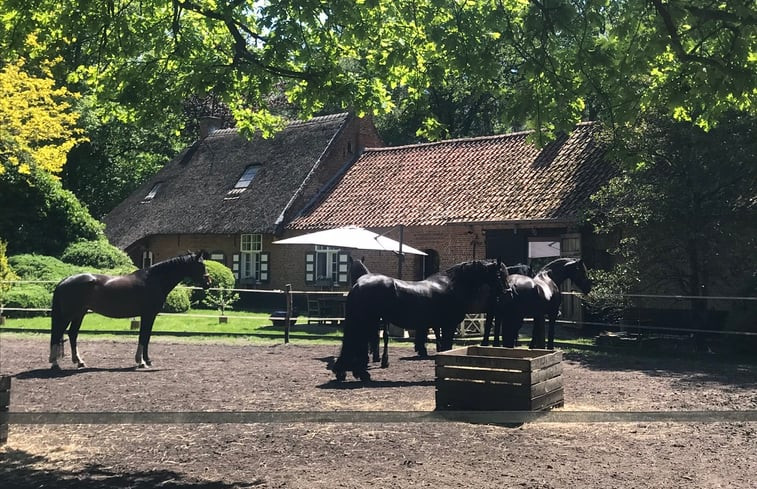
<point x="623" y="325"/>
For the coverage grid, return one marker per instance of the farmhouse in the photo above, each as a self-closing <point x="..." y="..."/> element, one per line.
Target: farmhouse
<point x="486" y="197"/>
<point x="230" y="195"/>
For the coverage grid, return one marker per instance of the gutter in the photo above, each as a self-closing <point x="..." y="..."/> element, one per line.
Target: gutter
<point x="518" y="222"/>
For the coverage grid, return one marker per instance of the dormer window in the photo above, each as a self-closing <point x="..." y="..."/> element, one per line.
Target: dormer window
<point x="153" y="191"/>
<point x="244" y="181"/>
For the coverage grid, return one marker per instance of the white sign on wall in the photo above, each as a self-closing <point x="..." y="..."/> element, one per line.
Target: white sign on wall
<point x="543" y="249"/>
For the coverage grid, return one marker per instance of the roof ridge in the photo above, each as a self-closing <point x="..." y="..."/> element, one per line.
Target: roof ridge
<point x="290" y="124"/>
<point x="507" y="135"/>
<point x="448" y="141"/>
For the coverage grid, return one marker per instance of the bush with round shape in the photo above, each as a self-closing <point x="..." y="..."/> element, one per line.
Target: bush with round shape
<point x="96" y="254"/>
<point x="177" y="300"/>
<point x="221" y="278"/>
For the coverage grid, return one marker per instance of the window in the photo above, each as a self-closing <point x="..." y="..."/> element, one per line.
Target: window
<point x="153" y="191"/>
<point x="251" y="246"/>
<point x="326" y="264"/>
<point x="327" y="267"/>
<point x="218" y="256"/>
<point x="244" y="181"/>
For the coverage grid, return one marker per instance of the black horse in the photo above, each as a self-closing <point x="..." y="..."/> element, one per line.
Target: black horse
<point x="536" y="298"/>
<point x="439" y="302"/>
<point x="141" y="293"/>
<point x="492" y="316"/>
<point x="357" y="270"/>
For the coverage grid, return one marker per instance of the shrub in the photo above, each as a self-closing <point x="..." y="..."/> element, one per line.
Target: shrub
<point x="96" y="254"/>
<point x="28" y="296"/>
<point x="41" y="267"/>
<point x="6" y="274"/>
<point x="40" y="216"/>
<point x="177" y="300"/>
<point x="221" y="278"/>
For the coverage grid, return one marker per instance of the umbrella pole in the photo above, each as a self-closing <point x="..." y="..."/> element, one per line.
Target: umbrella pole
<point x="400" y="256"/>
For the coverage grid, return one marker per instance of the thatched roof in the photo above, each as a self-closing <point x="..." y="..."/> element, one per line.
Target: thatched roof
<point x="193" y="196"/>
<point x="501" y="178"/>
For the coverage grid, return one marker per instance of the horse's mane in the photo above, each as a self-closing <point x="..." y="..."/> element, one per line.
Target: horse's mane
<point x="170" y="262"/>
<point x="554" y="263"/>
<point x="464" y="270"/>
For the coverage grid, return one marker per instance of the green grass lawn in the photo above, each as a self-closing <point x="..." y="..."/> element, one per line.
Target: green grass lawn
<point x="196" y="321"/>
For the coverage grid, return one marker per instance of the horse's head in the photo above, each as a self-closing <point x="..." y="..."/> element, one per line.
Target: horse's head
<point x="579" y="275"/>
<point x="502" y="292"/>
<point x="198" y="272"/>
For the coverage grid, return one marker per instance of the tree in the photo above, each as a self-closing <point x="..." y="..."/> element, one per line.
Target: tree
<point x="37" y="123"/>
<point x="685" y="209"/>
<point x="117" y="157"/>
<point x="37" y="129"/>
<point x="551" y="61"/>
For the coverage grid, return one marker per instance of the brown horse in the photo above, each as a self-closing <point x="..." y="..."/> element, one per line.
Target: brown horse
<point x="141" y="293"/>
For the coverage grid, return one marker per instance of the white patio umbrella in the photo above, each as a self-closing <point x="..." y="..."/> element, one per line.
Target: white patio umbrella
<point x="352" y="237"/>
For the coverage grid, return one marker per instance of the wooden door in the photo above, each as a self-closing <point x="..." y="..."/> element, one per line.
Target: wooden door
<point x="570" y="247"/>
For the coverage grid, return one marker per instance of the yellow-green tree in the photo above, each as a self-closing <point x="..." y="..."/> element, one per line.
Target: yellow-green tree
<point x="37" y="130"/>
<point x="37" y="123"/>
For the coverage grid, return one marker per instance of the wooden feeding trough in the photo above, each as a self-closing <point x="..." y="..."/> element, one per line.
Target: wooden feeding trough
<point x="484" y="378"/>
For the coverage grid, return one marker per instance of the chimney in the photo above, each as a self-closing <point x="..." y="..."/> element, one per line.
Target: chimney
<point x="209" y="125"/>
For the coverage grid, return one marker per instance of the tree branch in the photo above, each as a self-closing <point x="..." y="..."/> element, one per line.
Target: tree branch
<point x="240" y="42"/>
<point x="677" y="45"/>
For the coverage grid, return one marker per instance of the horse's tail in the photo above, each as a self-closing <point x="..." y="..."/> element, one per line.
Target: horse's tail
<point x="57" y="327"/>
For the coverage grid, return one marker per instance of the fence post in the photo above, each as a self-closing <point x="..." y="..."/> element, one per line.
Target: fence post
<point x="5" y="401"/>
<point x="288" y="317"/>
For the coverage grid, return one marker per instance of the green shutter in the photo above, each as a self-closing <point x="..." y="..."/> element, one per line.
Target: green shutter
<point x="235" y="265"/>
<point x="310" y="268"/>
<point x="264" y="269"/>
<point x="343" y="269"/>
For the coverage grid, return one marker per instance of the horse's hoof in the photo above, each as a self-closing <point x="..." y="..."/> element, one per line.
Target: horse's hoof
<point x="55" y="368"/>
<point x="341" y="376"/>
<point x="142" y="365"/>
<point x="384" y="363"/>
<point x="362" y="376"/>
<point x="81" y="365"/>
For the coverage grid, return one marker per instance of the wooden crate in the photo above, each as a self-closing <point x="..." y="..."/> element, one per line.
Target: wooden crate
<point x="5" y="401"/>
<point x="484" y="378"/>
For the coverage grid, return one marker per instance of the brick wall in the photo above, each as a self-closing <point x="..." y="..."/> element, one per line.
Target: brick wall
<point x="452" y="243"/>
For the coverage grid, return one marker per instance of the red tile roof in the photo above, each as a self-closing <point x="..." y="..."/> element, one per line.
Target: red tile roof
<point x="496" y="178"/>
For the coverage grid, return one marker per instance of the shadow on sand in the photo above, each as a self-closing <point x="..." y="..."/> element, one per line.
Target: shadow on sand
<point x="22" y="470"/>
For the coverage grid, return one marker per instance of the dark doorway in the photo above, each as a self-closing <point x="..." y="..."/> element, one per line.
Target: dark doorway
<point x="511" y="247"/>
<point x="430" y="263"/>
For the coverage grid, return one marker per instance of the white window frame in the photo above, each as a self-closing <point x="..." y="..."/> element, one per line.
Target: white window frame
<point x="152" y="193"/>
<point x="326" y="264"/>
<point x="244" y="181"/>
<point x="251" y="249"/>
